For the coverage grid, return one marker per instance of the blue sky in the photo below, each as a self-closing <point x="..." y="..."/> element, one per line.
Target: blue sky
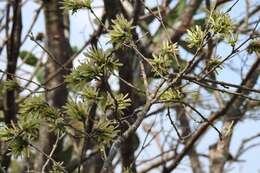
<point x="81" y="28"/>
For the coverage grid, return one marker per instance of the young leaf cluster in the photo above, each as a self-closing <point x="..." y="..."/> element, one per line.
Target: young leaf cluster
<point x="32" y="113"/>
<point x="90" y="93"/>
<point x="57" y="167"/>
<point x="18" y="136"/>
<point x="170" y="95"/>
<point x="254" y="46"/>
<point x="122" y="103"/>
<point x="76" y="5"/>
<point x="8" y="85"/>
<point x="164" y="59"/>
<point x="104" y="131"/>
<point x="97" y="66"/>
<point x="218" y="24"/>
<point x="76" y="110"/>
<point x="195" y="36"/>
<point x="214" y="62"/>
<point x="121" y="31"/>
<point x="221" y="23"/>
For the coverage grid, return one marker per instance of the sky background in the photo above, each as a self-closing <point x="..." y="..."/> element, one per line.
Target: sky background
<point x="82" y="27"/>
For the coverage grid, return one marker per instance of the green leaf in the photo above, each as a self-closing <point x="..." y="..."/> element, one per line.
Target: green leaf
<point x="57" y="167"/>
<point x="98" y="64"/>
<point x="195" y="36"/>
<point x="75" y="5"/>
<point x="254" y="46"/>
<point x="121" y="31"/>
<point x="8" y="85"/>
<point x="171" y="95"/>
<point x="104" y="131"/>
<point x="35" y="106"/>
<point x="123" y="101"/>
<point x="40" y="75"/>
<point x="76" y="110"/>
<point x="28" y="57"/>
<point x="221" y="23"/>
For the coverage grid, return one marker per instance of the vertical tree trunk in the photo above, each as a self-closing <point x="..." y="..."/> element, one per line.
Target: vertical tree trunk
<point x="126" y="72"/>
<point x="13" y="47"/>
<point x="58" y="45"/>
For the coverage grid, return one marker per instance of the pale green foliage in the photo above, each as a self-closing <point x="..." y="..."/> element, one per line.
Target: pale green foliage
<point x="57" y="167"/>
<point x="55" y="120"/>
<point x="164" y="59"/>
<point x="8" y="85"/>
<point x="127" y="170"/>
<point x="33" y="112"/>
<point x="104" y="131"/>
<point x="121" y="31"/>
<point x="75" y="5"/>
<point x="254" y="46"/>
<point x="169" y="49"/>
<point x="232" y="39"/>
<point x="214" y="62"/>
<point x="104" y="61"/>
<point x="195" y="36"/>
<point x="161" y="64"/>
<point x="220" y="23"/>
<point x="17" y="136"/>
<point x="90" y="93"/>
<point x="33" y="107"/>
<point x="36" y="108"/>
<point x="76" y="110"/>
<point x="98" y="65"/>
<point x="81" y="75"/>
<point x="122" y="103"/>
<point x="170" y="95"/>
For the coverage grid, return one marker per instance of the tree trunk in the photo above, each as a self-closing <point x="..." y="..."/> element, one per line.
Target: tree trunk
<point x="13" y="47"/>
<point x="126" y="72"/>
<point x="57" y="31"/>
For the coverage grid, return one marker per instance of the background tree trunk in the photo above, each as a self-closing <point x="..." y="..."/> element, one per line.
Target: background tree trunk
<point x="13" y="47"/>
<point x="57" y="31"/>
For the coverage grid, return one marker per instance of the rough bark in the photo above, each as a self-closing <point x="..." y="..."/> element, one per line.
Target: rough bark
<point x="94" y="164"/>
<point x="13" y="47"/>
<point x="126" y="72"/>
<point x="56" y="23"/>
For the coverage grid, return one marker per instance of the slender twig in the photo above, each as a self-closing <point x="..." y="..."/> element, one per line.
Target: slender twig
<point x="173" y="124"/>
<point x="52" y="152"/>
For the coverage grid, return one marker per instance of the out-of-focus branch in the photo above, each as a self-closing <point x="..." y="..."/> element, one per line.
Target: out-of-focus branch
<point x="57" y="45"/>
<point x="233" y="115"/>
<point x="13" y="47"/>
<point x="248" y="82"/>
